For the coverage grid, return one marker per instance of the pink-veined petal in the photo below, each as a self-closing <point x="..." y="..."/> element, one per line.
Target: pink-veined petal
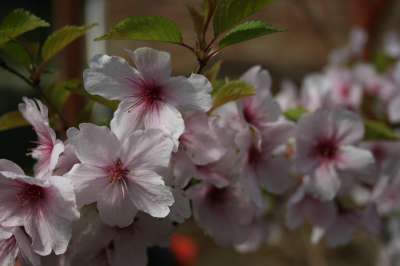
<point x="151" y="63"/>
<point x="110" y="77"/>
<point x="149" y="193"/>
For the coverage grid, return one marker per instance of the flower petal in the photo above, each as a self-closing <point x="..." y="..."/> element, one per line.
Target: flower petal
<point x="89" y="182"/>
<point x="149" y="193"/>
<point x="125" y="121"/>
<point x="9" y="166"/>
<point x="114" y="206"/>
<point x="152" y="64"/>
<point x="110" y="77"/>
<point x="325" y="182"/>
<point x="260" y="79"/>
<point x="96" y="145"/>
<point x="168" y="119"/>
<point x="189" y="94"/>
<point x="149" y="149"/>
<point x="353" y="158"/>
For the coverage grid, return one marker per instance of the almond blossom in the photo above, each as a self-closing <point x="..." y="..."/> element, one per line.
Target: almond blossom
<point x="121" y="175"/>
<point x="149" y="95"/>
<point x="35" y="204"/>
<point x="325" y="149"/>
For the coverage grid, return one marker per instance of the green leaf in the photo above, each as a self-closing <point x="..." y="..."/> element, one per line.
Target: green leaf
<point x="295" y="114"/>
<point x="209" y="7"/>
<point x="246" y="31"/>
<point x="212" y="73"/>
<point x="76" y="87"/>
<point x="197" y="20"/>
<point x="376" y="130"/>
<point x="12" y="120"/>
<point x="17" y="23"/>
<point x="232" y="91"/>
<point x="61" y="38"/>
<point x="145" y="29"/>
<point x="16" y="53"/>
<point x="229" y="13"/>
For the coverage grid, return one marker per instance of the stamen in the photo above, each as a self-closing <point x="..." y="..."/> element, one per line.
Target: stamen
<point x="117" y="172"/>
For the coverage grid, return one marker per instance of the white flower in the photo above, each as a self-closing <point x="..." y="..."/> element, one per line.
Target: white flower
<point x="149" y="94"/>
<point x="49" y="148"/>
<point x="325" y="149"/>
<point x="122" y="175"/>
<point x="45" y="207"/>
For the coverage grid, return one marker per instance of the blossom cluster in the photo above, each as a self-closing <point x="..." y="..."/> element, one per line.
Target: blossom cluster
<point x="104" y="194"/>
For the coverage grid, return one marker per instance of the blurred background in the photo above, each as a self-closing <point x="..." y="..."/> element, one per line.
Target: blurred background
<point x="314" y="28"/>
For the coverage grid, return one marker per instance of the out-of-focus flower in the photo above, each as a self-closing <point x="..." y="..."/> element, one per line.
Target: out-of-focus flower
<point x="325" y="149"/>
<point x="223" y="213"/>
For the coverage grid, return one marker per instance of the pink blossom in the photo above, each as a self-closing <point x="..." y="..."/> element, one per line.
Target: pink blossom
<point x="49" y="148"/>
<point x="122" y="175"/>
<point x="325" y="149"/>
<point x="223" y="213"/>
<point x="36" y="204"/>
<point x="304" y="207"/>
<point x="149" y="95"/>
<point x="15" y="243"/>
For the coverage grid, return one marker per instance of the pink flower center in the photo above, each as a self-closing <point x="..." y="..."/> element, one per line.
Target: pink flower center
<point x="31" y="194"/>
<point x="254" y="155"/>
<point x="217" y="195"/>
<point x="7" y="245"/>
<point x="345" y="91"/>
<point x="325" y="149"/>
<point x="117" y="172"/>
<point x="248" y="115"/>
<point x="148" y="94"/>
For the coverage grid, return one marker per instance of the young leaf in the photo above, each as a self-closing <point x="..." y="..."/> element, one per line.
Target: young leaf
<point x="295" y="114"/>
<point x="145" y="29"/>
<point x="229" y="13"/>
<point x="375" y="130"/>
<point x="16" y="53"/>
<point x="246" y="31"/>
<point x="17" y="23"/>
<point x="212" y="73"/>
<point x="197" y="20"/>
<point x="76" y="87"/>
<point x="12" y="120"/>
<point x="59" y="39"/>
<point x="231" y="91"/>
<point x="209" y="7"/>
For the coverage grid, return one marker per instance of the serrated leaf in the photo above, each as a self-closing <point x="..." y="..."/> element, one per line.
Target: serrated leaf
<point x="232" y="91"/>
<point x="145" y="29"/>
<point x="376" y="130"/>
<point x="61" y="38"/>
<point x="295" y="114"/>
<point x="229" y="13"/>
<point x="246" y="31"/>
<point x="17" y="23"/>
<point x="12" y="120"/>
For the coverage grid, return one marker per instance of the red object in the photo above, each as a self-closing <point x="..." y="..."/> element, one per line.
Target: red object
<point x="184" y="249"/>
